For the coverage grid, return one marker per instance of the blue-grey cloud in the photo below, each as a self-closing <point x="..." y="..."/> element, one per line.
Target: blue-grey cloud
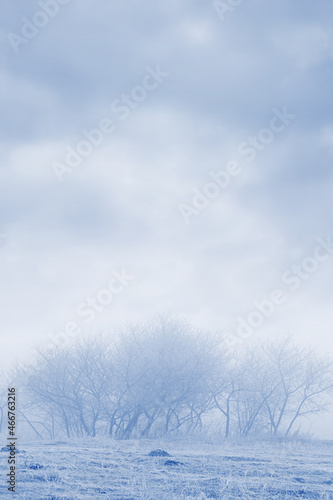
<point x="120" y="205"/>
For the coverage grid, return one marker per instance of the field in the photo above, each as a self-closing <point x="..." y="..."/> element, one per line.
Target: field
<point x="125" y="470"/>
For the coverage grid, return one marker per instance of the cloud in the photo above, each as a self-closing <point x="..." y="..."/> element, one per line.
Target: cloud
<point x="119" y="207"/>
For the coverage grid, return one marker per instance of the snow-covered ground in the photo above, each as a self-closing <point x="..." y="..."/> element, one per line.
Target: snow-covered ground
<point x="124" y="470"/>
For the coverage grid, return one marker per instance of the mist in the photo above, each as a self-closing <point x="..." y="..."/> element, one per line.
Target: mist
<point x="167" y="158"/>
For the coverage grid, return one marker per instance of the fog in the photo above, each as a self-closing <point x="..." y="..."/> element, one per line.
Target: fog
<point x="166" y="156"/>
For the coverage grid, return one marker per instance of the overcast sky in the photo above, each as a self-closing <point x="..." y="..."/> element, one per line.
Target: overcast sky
<point x="213" y="81"/>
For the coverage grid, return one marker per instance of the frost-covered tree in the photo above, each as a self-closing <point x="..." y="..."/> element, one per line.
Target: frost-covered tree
<point x="302" y="380"/>
<point x="164" y="376"/>
<point x="161" y="368"/>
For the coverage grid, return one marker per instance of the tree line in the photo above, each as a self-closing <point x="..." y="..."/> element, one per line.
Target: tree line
<point x="165" y="377"/>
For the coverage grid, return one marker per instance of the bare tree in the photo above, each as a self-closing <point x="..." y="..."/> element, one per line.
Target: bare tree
<point x="163" y="377"/>
<point x="160" y="368"/>
<point x="305" y="380"/>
